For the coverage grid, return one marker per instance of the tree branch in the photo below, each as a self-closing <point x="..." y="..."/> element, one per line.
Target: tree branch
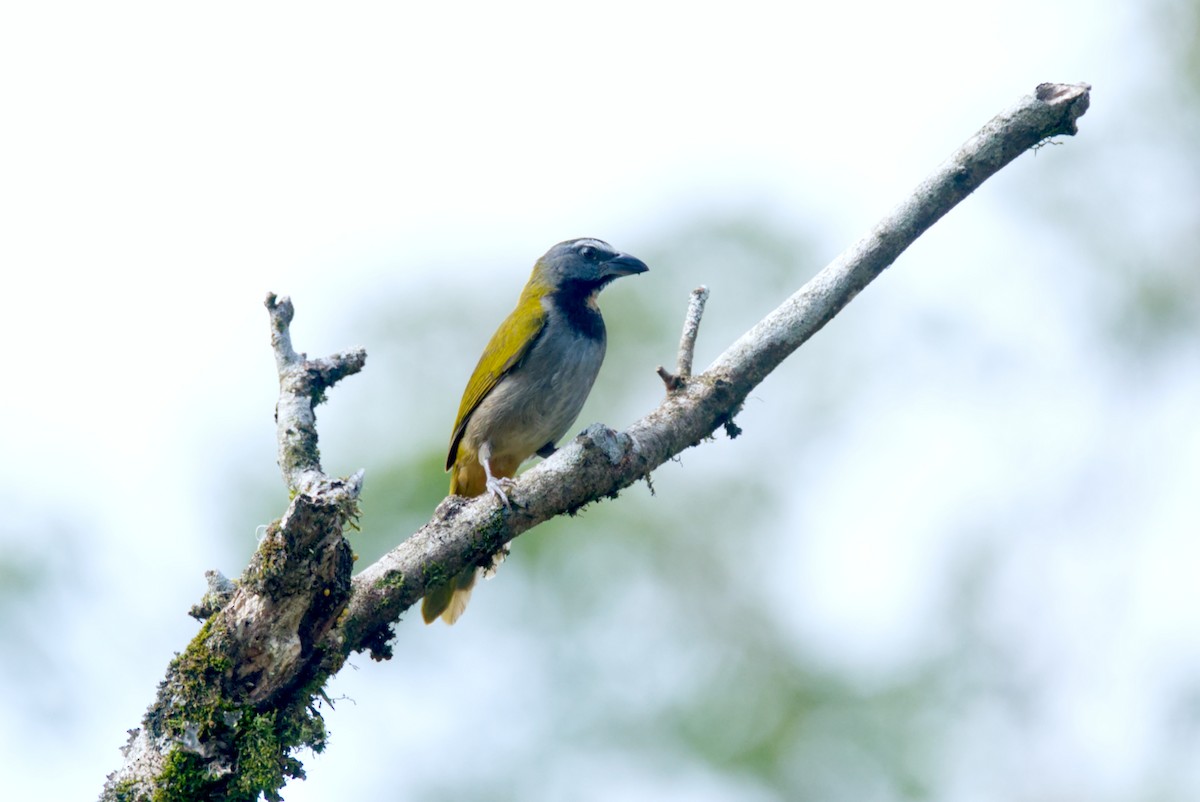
<point x="601" y="462"/>
<point x="687" y="342"/>
<point x="302" y="385"/>
<point x="241" y="698"/>
<point x="238" y="701"/>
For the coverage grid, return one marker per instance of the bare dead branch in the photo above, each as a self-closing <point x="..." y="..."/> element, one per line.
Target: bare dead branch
<point x="601" y="462"/>
<point x="687" y="342"/>
<point x="691" y="327"/>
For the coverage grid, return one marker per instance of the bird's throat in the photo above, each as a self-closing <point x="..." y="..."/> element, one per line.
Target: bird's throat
<point x="576" y="302"/>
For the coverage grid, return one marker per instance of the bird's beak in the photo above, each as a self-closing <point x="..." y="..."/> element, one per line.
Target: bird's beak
<point x="624" y="265"/>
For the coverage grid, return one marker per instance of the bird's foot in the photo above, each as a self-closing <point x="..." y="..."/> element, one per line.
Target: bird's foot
<point x="497" y="486"/>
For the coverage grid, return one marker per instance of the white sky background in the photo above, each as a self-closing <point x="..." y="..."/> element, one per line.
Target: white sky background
<point x="161" y="168"/>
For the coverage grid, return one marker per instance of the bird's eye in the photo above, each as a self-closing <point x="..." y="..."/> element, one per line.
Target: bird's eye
<point x="588" y="252"/>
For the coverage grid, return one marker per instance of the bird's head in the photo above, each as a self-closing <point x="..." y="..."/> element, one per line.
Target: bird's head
<point x="584" y="265"/>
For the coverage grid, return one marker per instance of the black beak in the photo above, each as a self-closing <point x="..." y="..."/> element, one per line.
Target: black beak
<point x="624" y="265"/>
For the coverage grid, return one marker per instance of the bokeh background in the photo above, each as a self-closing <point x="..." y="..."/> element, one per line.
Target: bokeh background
<point x="953" y="556"/>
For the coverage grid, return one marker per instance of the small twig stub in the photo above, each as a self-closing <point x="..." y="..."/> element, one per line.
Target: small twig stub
<point x="687" y="342"/>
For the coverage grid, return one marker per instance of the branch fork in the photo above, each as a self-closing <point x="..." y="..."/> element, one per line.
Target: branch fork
<point x="246" y="683"/>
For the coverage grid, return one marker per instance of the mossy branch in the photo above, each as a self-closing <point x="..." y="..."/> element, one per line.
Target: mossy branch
<point x="239" y="701"/>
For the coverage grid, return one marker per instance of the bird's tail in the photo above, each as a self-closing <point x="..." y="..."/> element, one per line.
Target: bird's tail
<point x="450" y="600"/>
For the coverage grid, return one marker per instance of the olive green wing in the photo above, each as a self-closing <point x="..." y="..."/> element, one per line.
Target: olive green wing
<point x="505" y="350"/>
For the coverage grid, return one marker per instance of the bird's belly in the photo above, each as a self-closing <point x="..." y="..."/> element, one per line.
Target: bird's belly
<point x="537" y="402"/>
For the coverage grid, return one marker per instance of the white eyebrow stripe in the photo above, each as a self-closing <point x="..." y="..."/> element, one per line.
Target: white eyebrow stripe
<point x="598" y="244"/>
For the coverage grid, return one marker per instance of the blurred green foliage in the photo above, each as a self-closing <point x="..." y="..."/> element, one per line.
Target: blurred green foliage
<point x="36" y="576"/>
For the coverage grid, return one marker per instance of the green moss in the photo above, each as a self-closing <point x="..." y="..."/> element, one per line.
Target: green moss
<point x="434" y="574"/>
<point x="306" y="730"/>
<point x="268" y="561"/>
<point x="350" y="511"/>
<point x="392" y="580"/>
<point x="126" y="791"/>
<point x="261" y="759"/>
<point x="264" y="743"/>
<point x="260" y="747"/>
<point x="490" y="538"/>
<point x="183" y="779"/>
<point x="256" y="745"/>
<point x="198" y="675"/>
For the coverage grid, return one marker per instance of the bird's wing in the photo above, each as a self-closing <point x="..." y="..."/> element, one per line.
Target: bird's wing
<point x="507" y="348"/>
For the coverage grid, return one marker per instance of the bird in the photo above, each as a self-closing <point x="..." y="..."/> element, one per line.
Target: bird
<point x="529" y="386"/>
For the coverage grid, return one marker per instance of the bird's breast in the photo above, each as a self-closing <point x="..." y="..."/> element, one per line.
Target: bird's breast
<point x="536" y="402"/>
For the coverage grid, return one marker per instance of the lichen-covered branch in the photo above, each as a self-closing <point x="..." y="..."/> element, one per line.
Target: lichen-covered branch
<point x="238" y="701"/>
<point x="302" y="385"/>
<point x="601" y="462"/>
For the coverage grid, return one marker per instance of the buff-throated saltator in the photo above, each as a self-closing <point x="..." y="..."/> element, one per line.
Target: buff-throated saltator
<point x="530" y="384"/>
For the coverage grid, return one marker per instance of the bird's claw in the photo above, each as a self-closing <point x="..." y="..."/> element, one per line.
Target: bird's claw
<point x="496" y="488"/>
